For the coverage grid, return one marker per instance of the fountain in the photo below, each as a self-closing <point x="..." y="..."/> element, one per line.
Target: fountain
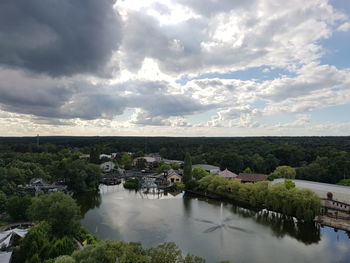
<point x="222" y="223"/>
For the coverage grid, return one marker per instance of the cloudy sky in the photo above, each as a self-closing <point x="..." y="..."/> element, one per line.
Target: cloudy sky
<point x="174" y="67"/>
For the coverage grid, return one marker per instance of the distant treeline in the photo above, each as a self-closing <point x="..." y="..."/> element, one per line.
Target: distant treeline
<point x="324" y="159"/>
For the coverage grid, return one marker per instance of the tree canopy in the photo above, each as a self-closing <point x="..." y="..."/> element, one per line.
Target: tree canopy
<point x="59" y="210"/>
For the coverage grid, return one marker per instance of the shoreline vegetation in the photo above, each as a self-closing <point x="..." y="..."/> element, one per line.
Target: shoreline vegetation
<point x="283" y="198"/>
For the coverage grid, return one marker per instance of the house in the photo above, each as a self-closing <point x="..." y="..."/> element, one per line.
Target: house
<point x="150" y="162"/>
<point x="173" y="177"/>
<point x="107" y="156"/>
<point x="37" y="182"/>
<point x="335" y="205"/>
<point x="209" y="168"/>
<point x="155" y="156"/>
<point x="107" y="166"/>
<point x="251" y="178"/>
<point x="227" y="174"/>
<point x="166" y="161"/>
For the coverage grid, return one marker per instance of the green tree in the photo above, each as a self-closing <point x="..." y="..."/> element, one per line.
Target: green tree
<point x="199" y="173"/>
<point x="132" y="183"/>
<point x="163" y="152"/>
<point x="36" y="244"/>
<point x="271" y="162"/>
<point x="163" y="167"/>
<point x="126" y="161"/>
<point x="232" y="162"/>
<point x="187" y="168"/>
<point x="248" y="170"/>
<point x="284" y="172"/>
<point x="3" y="202"/>
<point x="289" y="184"/>
<point x="64" y="259"/>
<point x="165" y="253"/>
<point x="95" y="155"/>
<point x="345" y="182"/>
<point x="63" y="246"/>
<point x="59" y="210"/>
<point x="111" y="252"/>
<point x="175" y="165"/>
<point x="258" y="163"/>
<point x="17" y="207"/>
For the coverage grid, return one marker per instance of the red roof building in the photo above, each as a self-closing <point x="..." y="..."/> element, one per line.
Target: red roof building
<point x="227" y="174"/>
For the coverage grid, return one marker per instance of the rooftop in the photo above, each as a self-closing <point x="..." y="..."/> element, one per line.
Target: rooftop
<point x="252" y="177"/>
<point x="206" y="167"/>
<point x="227" y="174"/>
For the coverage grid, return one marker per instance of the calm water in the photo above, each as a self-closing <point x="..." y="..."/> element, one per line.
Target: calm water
<point x="210" y="229"/>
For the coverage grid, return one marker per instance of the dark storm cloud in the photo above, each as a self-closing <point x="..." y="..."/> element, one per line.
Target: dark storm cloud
<point x="58" y="37"/>
<point x="46" y="97"/>
<point x="94" y="106"/>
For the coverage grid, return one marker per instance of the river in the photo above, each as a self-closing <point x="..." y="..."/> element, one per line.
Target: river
<point x="210" y="229"/>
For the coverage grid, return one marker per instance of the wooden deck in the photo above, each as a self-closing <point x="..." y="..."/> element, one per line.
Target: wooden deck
<point x="332" y="222"/>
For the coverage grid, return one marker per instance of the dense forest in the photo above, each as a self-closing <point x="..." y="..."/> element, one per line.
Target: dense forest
<point x="324" y="159"/>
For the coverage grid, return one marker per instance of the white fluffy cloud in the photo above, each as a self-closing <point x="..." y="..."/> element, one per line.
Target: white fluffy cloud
<point x="141" y="70"/>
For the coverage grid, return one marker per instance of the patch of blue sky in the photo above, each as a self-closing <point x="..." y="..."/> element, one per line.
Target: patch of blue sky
<point x="258" y="74"/>
<point x="259" y="104"/>
<point x="341" y="5"/>
<point x="277" y="118"/>
<point x="337" y="50"/>
<point x="337" y="46"/>
<point x="201" y="117"/>
<point x="338" y="113"/>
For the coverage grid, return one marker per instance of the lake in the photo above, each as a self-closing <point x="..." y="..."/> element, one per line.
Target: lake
<point x="210" y="229"/>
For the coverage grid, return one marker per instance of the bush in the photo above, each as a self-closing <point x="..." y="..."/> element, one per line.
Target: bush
<point x="345" y="182"/>
<point x="132" y="183"/>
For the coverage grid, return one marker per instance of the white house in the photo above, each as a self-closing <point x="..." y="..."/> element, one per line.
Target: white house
<point x="103" y="155"/>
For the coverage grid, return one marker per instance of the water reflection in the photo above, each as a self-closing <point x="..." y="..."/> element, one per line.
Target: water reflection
<point x="305" y="232"/>
<point x="222" y="223"/>
<point x="88" y="201"/>
<point x="214" y="230"/>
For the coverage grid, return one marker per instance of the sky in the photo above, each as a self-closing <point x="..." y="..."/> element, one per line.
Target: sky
<point x="175" y="67"/>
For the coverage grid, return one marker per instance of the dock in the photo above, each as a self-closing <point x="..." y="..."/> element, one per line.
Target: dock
<point x="340" y="224"/>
